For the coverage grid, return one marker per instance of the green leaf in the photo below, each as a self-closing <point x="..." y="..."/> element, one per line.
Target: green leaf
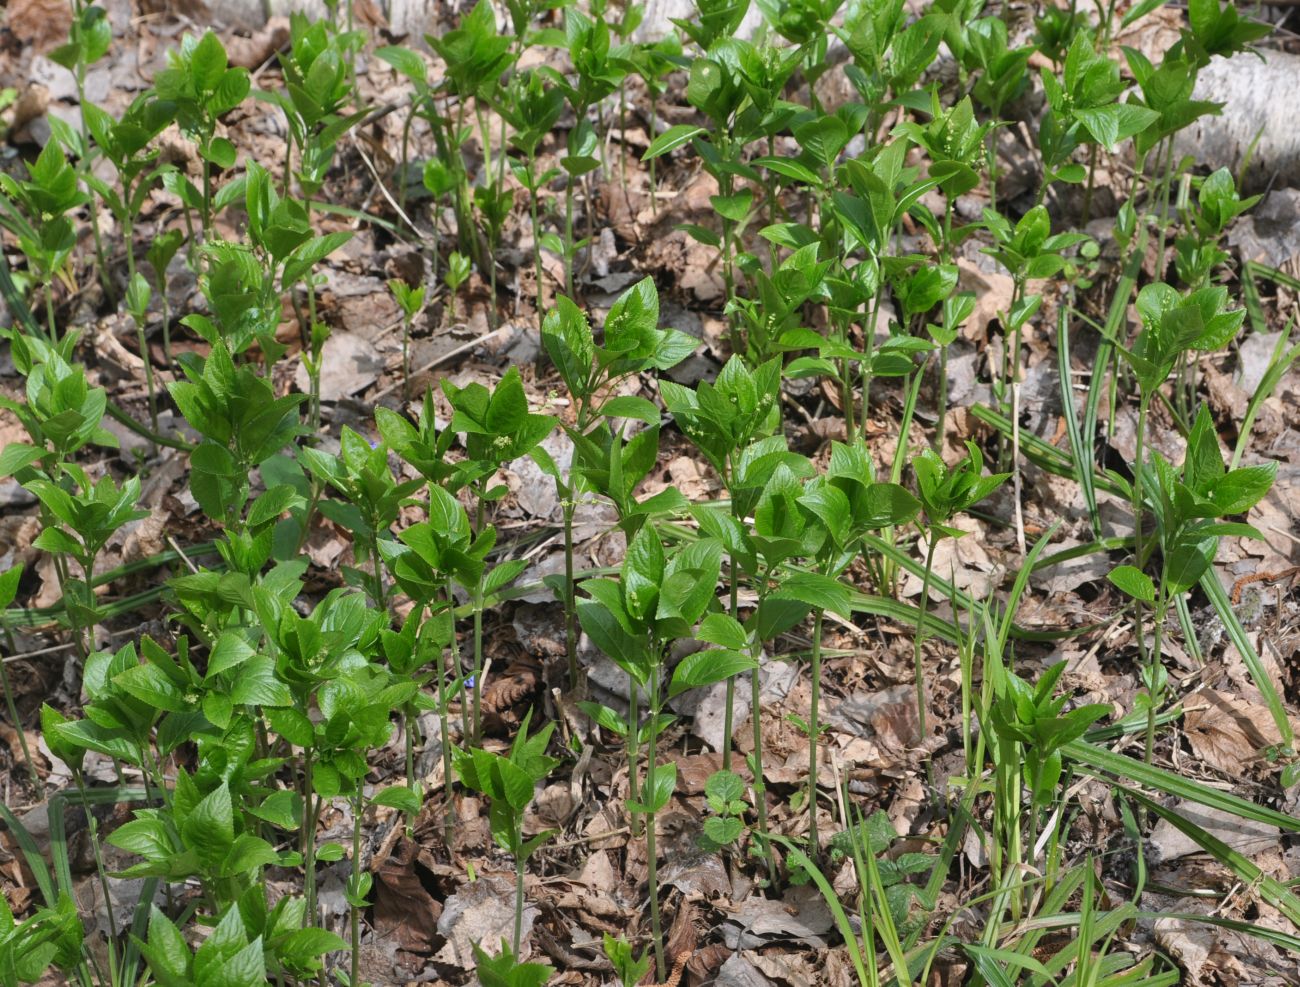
<point x="229" y="651"/>
<point x="707" y="667"/>
<point x="631" y="406"/>
<point x="723" y="630"/>
<point x="210" y="828"/>
<point x="817" y="591"/>
<point x="725" y="787"/>
<point x="671" y="139"/>
<point x="1134" y="582"/>
<point x="643" y="571"/>
<point x="17" y="456"/>
<point x="398" y="797"/>
<point x="660" y="781"/>
<point x="1108" y="125"/>
<point x="722" y="830"/>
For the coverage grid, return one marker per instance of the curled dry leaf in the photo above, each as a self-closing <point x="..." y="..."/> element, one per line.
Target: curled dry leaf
<point x="404" y="909"/>
<point x="1228" y="732"/>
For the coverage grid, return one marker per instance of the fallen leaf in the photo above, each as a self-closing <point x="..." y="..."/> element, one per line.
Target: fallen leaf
<point x="349" y="364"/>
<point x="404" y="909"/>
<point x="1167" y="842"/>
<point x="481" y="913"/>
<point x="1228" y="732"/>
<point x="801" y="916"/>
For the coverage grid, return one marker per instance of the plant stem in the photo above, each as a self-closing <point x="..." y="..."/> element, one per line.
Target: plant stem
<point x="633" y="746"/>
<point x="920" y="634"/>
<point x="537" y="246"/>
<point x="92" y="826"/>
<point x="756" y="763"/>
<point x="570" y="603"/>
<point x="814" y="730"/>
<point x="478" y="637"/>
<point x="453" y="658"/>
<point x="377" y="571"/>
<point x="13" y="718"/>
<point x="308" y="836"/>
<point x="409" y="723"/>
<point x="728" y="724"/>
<point x="1154" y="693"/>
<point x="519" y="900"/>
<point x="357" y="808"/>
<point x="652" y="860"/>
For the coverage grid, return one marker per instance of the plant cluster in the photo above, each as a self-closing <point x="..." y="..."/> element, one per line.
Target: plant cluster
<point x="265" y="702"/>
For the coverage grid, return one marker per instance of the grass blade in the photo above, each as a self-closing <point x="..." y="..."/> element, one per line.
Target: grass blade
<point x="1097" y="761"/>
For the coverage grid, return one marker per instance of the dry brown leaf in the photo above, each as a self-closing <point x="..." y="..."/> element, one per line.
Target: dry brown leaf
<point x="1228" y="732"/>
<point x="1198" y="949"/>
<point x="41" y="24"/>
<point x="404" y="909"/>
<point x="251" y="52"/>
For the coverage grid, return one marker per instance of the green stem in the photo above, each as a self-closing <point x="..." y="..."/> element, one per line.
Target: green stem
<point x="13" y="718"/>
<point x="49" y="311"/>
<point x="633" y="746"/>
<point x="357" y="808"/>
<point x="537" y="246"/>
<point x="920" y="634"/>
<point x="409" y="721"/>
<point x="652" y="857"/>
<point x="728" y="724"/>
<point x="814" y="730"/>
<point x="308" y="836"/>
<point x="92" y="826"/>
<point x="1139" y="548"/>
<point x="453" y="658"/>
<point x="756" y="763"/>
<point x="519" y="899"/>
<point x="1153" y="693"/>
<point x="570" y="602"/>
<point x="128" y="233"/>
<point x="478" y="636"/>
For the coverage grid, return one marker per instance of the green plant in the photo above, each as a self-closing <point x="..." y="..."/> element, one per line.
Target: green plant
<point x="411" y="301"/>
<point x="1003" y="77"/>
<point x="1029" y="727"/>
<point x="1187" y="507"/>
<point x="656" y="600"/>
<point x="202" y="86"/>
<point x="498" y="429"/>
<point x="633" y="343"/>
<point x="90" y="36"/>
<point x="8" y="590"/>
<point x="532" y="109"/>
<point x="51" y="936"/>
<point x="725" y="794"/>
<point x="597" y="72"/>
<point x="458" y="268"/>
<point x="428" y="559"/>
<point x="125" y="144"/>
<point x="248" y="945"/>
<point x="80" y="517"/>
<point x="1083" y="108"/>
<point x="503" y="970"/>
<point x="630" y="968"/>
<point x="726" y="421"/>
<point x="36" y="211"/>
<point x="873" y="837"/>
<point x="318" y="89"/>
<point x="475" y="55"/>
<point x="944" y="491"/>
<point x="847" y="503"/>
<point x="508" y="782"/>
<point x="159" y="254"/>
<point x="373" y="497"/>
